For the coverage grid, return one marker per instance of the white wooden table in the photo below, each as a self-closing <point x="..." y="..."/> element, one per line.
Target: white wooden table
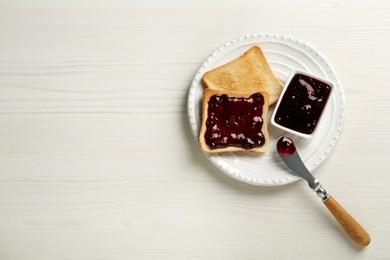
<point x="97" y="160"/>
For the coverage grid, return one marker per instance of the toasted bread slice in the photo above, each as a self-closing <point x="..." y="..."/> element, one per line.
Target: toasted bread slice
<point x="241" y="127"/>
<point x="249" y="73"/>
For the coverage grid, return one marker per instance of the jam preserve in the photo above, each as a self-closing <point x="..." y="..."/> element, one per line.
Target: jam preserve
<point x="285" y="146"/>
<point x="302" y="104"/>
<point x="235" y="121"/>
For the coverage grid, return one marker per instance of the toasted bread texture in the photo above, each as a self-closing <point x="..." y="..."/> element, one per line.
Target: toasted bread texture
<point x="249" y="73"/>
<point x="209" y="93"/>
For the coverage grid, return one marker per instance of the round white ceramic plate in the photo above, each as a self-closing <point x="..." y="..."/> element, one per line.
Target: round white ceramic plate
<point x="284" y="54"/>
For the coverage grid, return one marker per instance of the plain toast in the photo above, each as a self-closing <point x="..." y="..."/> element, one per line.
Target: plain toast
<point x="249" y="73"/>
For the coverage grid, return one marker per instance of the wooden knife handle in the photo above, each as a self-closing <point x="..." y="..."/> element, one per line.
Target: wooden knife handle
<point x="353" y="228"/>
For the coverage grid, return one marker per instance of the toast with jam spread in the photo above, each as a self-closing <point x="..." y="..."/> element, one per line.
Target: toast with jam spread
<point x="234" y="122"/>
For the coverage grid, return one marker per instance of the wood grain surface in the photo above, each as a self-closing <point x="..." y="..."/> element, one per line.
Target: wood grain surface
<point x="97" y="160"/>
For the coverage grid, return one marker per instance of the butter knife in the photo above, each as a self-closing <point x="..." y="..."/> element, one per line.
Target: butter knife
<point x="291" y="158"/>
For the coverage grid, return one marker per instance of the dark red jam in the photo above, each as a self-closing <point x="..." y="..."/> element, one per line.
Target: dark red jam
<point x="285" y="146"/>
<point x="235" y="121"/>
<point x="302" y="104"/>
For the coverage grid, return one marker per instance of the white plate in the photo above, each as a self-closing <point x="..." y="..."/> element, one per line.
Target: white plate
<point x="284" y="54"/>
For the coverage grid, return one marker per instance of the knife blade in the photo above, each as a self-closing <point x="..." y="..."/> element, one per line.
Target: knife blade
<point x="296" y="165"/>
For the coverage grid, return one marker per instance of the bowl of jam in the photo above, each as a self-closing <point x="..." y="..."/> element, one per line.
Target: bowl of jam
<point x="302" y="103"/>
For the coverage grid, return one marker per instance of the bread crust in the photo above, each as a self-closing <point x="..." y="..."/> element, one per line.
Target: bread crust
<point x="206" y="97"/>
<point x="249" y="73"/>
